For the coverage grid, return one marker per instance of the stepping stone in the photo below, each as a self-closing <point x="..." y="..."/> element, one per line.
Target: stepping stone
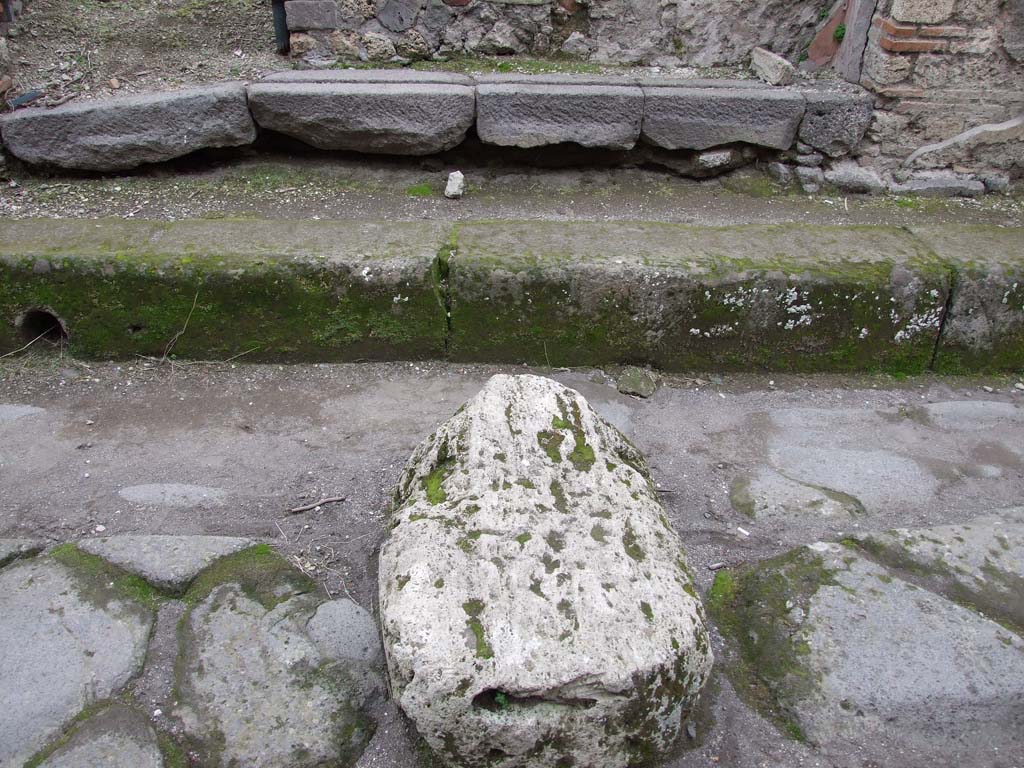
<point x="72" y="632"/>
<point x="534" y="114"/>
<point x="126" y="132"/>
<point x="117" y="737"/>
<point x="13" y="549"/>
<point x="169" y="563"/>
<point x="848" y="655"/>
<point x="417" y="117"/>
<point x="699" y="118"/>
<point x="254" y="688"/>
<point x="343" y="630"/>
<point x="535" y="603"/>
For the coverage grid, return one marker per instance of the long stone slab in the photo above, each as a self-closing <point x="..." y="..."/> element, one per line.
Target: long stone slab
<point x="984" y="329"/>
<point x="272" y="289"/>
<point x="368" y="76"/>
<point x="376" y="117"/>
<point x="533" y="115"/>
<point x="699" y="118"/>
<point x="685" y="298"/>
<point x="126" y="132"/>
<point x="535" y="603"/>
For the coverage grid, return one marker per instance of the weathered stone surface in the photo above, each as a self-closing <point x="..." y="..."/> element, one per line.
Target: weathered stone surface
<point x="922" y="11"/>
<point x="681" y="298"/>
<point x="13" y="549"/>
<point x="1008" y="134"/>
<point x="391" y="118"/>
<point x="71" y="634"/>
<point x="939" y="184"/>
<point x="533" y="115"/>
<point x="980" y="564"/>
<point x="852" y="656"/>
<point x="850" y="58"/>
<point x="166" y="562"/>
<point x="117" y="737"/>
<point x="810" y="178"/>
<point x="343" y="630"/>
<point x="311" y="14"/>
<point x="126" y="132"/>
<point x="771" y="67"/>
<point x="535" y="604"/>
<point x="984" y="329"/>
<point x="835" y="122"/>
<point x="406" y="76"/>
<point x="637" y="381"/>
<point x="847" y="176"/>
<point x="698" y="118"/>
<point x="253" y="688"/>
<point x="770" y="495"/>
<point x="399" y="15"/>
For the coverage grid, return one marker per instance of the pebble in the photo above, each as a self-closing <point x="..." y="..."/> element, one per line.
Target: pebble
<point x="1019" y="386"/>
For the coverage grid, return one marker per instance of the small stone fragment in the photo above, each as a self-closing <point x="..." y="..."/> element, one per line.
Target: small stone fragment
<point x="456" y="185"/>
<point x="771" y="67"/>
<point x="847" y="176"/>
<point x="637" y="381"/>
<point x="781" y="173"/>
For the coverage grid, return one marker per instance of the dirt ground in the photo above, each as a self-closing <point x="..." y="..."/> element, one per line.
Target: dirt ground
<point x="86" y="49"/>
<point x="78" y="441"/>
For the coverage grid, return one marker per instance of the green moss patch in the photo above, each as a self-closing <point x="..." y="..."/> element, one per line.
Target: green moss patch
<point x="99" y="582"/>
<point x="752" y="608"/>
<point x="262" y="574"/>
<point x="473" y="609"/>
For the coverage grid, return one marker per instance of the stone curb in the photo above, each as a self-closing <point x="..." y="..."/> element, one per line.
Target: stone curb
<point x="406" y="112"/>
<point x="786" y="298"/>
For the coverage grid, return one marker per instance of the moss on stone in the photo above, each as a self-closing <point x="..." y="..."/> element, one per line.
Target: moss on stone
<point x="473" y="609"/>
<point x="261" y="573"/>
<point x="752" y="607"/>
<point x="99" y="582"/>
<point x="631" y="544"/>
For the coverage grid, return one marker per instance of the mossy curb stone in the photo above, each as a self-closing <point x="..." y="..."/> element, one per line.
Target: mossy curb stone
<point x="297" y="290"/>
<point x="784" y="297"/>
<point x="14" y="549"/>
<point x="535" y="602"/>
<point x="252" y="687"/>
<point x="855" y="659"/>
<point x="73" y="630"/>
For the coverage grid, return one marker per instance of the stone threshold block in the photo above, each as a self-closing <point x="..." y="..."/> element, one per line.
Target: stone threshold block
<point x="126" y="132"/>
<point x="418" y="116"/>
<point x="700" y="118"/>
<point x="787" y="298"/>
<point x="298" y="290"/>
<point x="532" y="113"/>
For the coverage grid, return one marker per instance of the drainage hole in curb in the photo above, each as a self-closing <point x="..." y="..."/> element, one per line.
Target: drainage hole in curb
<point x="42" y="324"/>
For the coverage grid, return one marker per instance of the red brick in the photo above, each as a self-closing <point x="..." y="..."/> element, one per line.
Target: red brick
<point x="943" y="32"/>
<point x="913" y="46"/>
<point x="893" y="29"/>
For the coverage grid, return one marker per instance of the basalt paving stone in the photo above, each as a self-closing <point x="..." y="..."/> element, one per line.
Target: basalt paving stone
<point x="72" y="632"/>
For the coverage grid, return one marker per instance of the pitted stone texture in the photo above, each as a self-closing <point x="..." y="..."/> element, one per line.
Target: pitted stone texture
<point x="859" y="658"/>
<point x="121" y="133"/>
<point x="255" y="690"/>
<point x="67" y="641"/>
<point x="533" y="115"/>
<point x="390" y="118"/>
<point x="535" y="604"/>
<point x="835" y="123"/>
<point x="12" y="549"/>
<point x="847" y="176"/>
<point x="699" y="118"/>
<point x="117" y="737"/>
<point x="167" y="562"/>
